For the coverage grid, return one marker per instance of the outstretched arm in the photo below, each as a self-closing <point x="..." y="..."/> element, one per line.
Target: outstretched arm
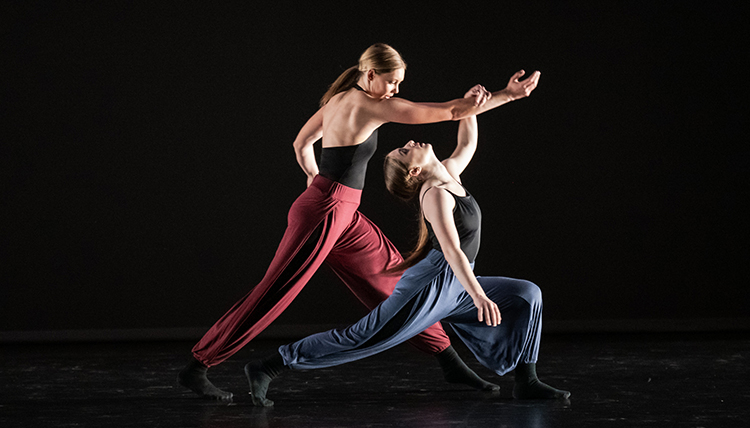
<point x="516" y="89"/>
<point x="403" y="111"/>
<point x="437" y="206"/>
<point x="311" y="132"/>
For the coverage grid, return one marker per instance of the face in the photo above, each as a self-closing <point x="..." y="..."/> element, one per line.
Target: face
<point x="385" y="85"/>
<point x="414" y="154"/>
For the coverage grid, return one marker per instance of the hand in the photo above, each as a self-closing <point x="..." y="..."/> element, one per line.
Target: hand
<point x="480" y="95"/>
<point x="310" y="179"/>
<point x="487" y="311"/>
<point x="520" y="89"/>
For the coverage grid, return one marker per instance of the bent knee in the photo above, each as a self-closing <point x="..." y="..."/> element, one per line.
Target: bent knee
<point x="530" y="292"/>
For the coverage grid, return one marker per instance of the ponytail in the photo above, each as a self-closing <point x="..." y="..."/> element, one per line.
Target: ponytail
<point x="345" y="81"/>
<point x="419" y="252"/>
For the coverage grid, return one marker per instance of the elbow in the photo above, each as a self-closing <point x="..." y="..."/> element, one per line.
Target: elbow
<point x="298" y="145"/>
<point x="452" y="254"/>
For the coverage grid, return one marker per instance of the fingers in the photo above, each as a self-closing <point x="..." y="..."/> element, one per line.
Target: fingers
<point x="482" y="96"/>
<point x="491" y="319"/>
<point x="479" y="98"/>
<point x="495" y="315"/>
<point x="473" y="91"/>
<point x="479" y="93"/>
<point x="534" y="77"/>
<point x="489" y="315"/>
<point x="517" y="76"/>
<point x="533" y="80"/>
<point x="523" y="88"/>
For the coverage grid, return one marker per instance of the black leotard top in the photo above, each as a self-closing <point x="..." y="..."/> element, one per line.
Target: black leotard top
<point x="348" y="164"/>
<point x="468" y="218"/>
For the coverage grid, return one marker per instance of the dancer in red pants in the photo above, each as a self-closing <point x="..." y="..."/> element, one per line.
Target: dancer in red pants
<point x="324" y="224"/>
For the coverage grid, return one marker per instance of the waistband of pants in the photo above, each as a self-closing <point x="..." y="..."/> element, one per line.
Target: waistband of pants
<point x="336" y="190"/>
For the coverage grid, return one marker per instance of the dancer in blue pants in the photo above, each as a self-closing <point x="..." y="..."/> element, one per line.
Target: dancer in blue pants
<point x="499" y="319"/>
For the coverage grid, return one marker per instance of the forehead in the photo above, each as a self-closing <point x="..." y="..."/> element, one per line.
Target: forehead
<point x="394" y="75"/>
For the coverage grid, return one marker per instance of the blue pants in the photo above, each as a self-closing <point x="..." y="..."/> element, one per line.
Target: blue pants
<point x="429" y="292"/>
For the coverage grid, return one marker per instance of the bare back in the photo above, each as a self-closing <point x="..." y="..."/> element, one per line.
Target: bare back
<point x="348" y="119"/>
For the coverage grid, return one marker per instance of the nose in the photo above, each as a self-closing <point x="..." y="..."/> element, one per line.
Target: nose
<point x="395" y="90"/>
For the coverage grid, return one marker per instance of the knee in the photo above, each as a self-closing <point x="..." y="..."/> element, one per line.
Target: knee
<point x="530" y="292"/>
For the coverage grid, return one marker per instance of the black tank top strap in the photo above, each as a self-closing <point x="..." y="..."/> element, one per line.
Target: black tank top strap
<point x="453" y="194"/>
<point x="359" y="88"/>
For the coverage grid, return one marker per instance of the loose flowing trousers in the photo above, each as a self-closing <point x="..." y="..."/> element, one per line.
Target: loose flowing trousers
<point x="323" y="225"/>
<point x="427" y="293"/>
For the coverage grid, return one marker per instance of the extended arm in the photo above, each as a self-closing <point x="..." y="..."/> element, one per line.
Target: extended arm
<point x="438" y="210"/>
<point x="516" y="89"/>
<point x="403" y="111"/>
<point x="311" y="132"/>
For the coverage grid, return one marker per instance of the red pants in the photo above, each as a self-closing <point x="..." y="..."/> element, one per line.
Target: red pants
<point x="323" y="225"/>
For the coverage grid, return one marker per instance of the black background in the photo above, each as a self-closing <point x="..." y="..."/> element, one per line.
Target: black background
<point x="147" y="165"/>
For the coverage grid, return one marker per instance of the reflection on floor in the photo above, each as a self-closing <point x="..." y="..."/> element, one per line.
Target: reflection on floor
<point x="617" y="380"/>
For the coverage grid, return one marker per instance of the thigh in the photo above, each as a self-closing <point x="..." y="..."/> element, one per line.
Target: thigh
<point x="507" y="293"/>
<point x="359" y="257"/>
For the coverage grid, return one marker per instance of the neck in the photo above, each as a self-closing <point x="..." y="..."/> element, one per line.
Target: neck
<point x="364" y="84"/>
<point x="436" y="174"/>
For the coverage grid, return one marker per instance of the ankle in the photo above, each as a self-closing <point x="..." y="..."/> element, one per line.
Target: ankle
<point x="525" y="373"/>
<point x="195" y="366"/>
<point x="273" y="365"/>
<point x="447" y="358"/>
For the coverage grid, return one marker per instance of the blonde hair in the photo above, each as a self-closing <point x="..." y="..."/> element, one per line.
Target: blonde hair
<point x="380" y="57"/>
<point x="403" y="185"/>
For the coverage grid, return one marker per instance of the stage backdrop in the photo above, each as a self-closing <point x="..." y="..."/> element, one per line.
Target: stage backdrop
<point x="147" y="163"/>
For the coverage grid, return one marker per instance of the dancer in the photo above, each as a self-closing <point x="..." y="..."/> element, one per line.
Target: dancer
<point x="438" y="285"/>
<point x="324" y="223"/>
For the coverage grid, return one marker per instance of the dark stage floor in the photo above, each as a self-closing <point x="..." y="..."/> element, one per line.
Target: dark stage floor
<point x="617" y="380"/>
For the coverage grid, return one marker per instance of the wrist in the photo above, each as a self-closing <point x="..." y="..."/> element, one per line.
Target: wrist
<point x="478" y="295"/>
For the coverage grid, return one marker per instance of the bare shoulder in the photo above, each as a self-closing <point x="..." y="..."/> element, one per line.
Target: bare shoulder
<point x="349" y="119"/>
<point x="437" y="197"/>
<point x="448" y="165"/>
<point x="337" y="99"/>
